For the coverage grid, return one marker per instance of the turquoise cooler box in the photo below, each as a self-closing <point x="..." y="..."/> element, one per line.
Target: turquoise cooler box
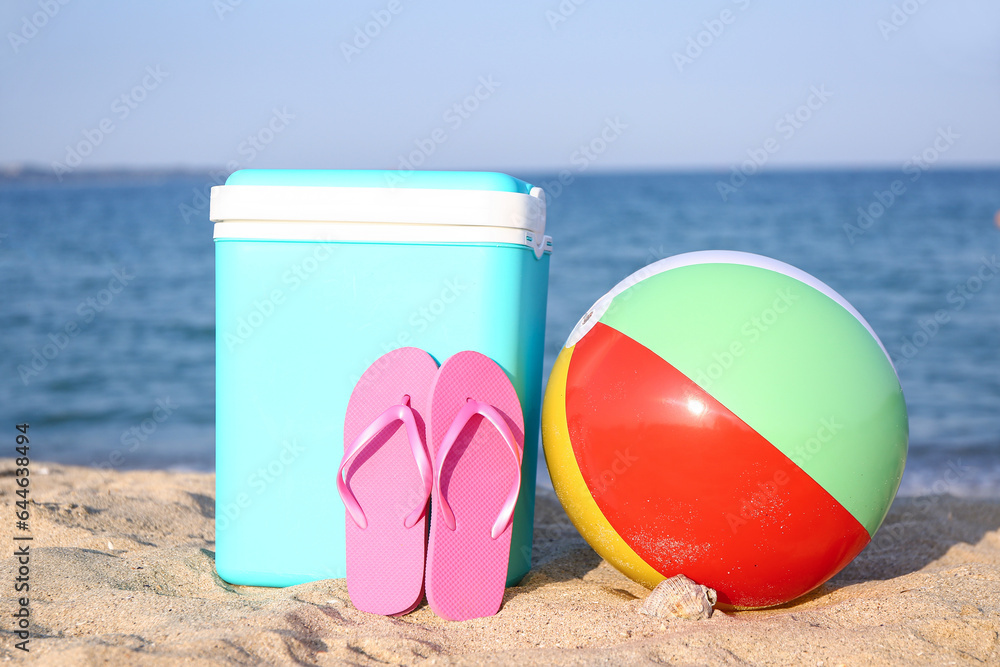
<point x="319" y="273"/>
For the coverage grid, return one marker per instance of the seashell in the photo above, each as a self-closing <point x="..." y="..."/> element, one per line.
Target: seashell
<point x="679" y="597"/>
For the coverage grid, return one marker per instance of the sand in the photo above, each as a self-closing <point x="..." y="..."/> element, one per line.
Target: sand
<point x="122" y="573"/>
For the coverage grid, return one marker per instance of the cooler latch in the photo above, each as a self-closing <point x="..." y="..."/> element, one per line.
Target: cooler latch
<point x="540" y="243"/>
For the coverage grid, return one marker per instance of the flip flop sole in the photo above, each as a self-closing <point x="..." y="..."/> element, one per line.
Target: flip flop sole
<point x="385" y="560"/>
<point x="466" y="567"/>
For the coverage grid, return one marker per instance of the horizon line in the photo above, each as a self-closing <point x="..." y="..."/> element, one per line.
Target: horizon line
<point x="15" y="171"/>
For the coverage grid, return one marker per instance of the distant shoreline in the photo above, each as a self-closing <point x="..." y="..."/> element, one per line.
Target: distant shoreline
<point x="15" y="173"/>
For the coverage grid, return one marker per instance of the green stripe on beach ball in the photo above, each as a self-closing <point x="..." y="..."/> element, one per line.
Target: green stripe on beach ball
<point x="788" y="360"/>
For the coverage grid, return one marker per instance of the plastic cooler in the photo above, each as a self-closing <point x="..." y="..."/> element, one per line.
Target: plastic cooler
<point x="319" y="273"/>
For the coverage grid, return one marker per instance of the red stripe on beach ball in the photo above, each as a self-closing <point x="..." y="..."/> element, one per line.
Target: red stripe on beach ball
<point x="691" y="487"/>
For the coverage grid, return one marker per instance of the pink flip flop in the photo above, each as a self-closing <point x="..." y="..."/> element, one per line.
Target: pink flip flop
<point x="476" y="439"/>
<point x="388" y="482"/>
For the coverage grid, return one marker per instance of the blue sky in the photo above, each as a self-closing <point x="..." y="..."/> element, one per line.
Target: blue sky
<point x="206" y="83"/>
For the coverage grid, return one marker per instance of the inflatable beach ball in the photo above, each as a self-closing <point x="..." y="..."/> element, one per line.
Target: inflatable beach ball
<point x="728" y="417"/>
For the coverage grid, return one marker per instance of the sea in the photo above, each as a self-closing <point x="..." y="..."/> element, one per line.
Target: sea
<point x="107" y="295"/>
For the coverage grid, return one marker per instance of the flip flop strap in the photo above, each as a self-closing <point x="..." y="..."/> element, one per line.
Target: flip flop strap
<point x="392" y="414"/>
<point x="469" y="410"/>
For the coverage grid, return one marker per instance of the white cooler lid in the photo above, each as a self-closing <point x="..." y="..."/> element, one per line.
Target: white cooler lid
<point x="380" y="206"/>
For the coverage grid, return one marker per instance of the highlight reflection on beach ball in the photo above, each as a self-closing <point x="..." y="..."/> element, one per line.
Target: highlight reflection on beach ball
<point x="728" y="417"/>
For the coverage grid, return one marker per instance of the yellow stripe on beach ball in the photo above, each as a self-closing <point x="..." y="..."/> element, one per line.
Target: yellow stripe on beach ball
<point x="572" y="489"/>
